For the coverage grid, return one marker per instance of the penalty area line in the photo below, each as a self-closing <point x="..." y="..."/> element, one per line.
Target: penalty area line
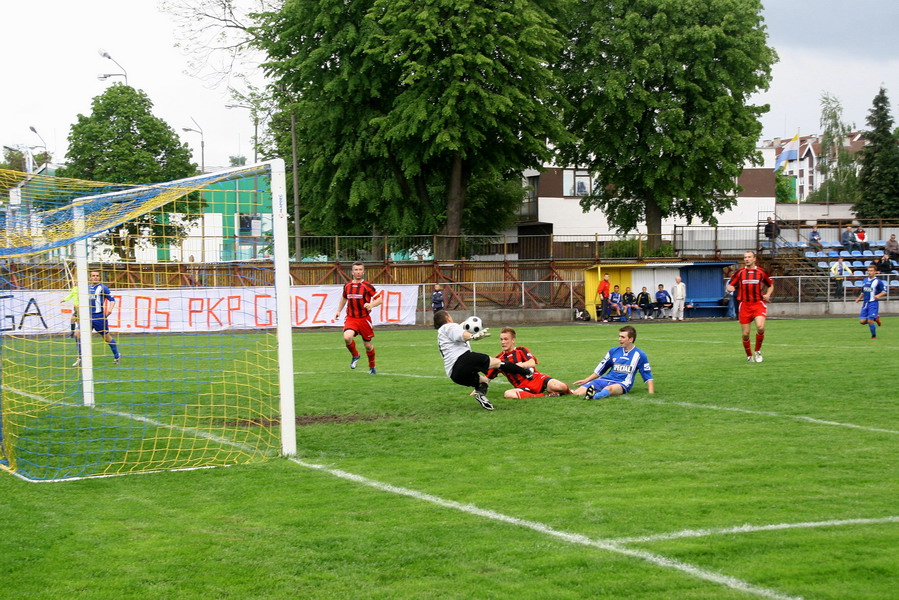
<point x="571" y="538"/>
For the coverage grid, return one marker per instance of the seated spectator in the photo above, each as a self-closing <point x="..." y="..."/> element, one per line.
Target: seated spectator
<point x="814" y="239"/>
<point x="663" y="300"/>
<point x="848" y="239"/>
<point x="884" y="265"/>
<point x="861" y="239"/>
<point x="644" y="301"/>
<point x="629" y="300"/>
<point x="616" y="308"/>
<point x="891" y="248"/>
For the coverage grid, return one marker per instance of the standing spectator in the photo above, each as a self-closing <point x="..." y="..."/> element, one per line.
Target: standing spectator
<point x="872" y="291"/>
<point x="839" y="271"/>
<point x="729" y="271"/>
<point x="360" y="297"/>
<point x="814" y="239"/>
<point x="663" y="300"/>
<point x="848" y="239"/>
<point x="462" y="365"/>
<point x="602" y="292"/>
<point x="644" y="301"/>
<point x="772" y="232"/>
<point x="622" y="363"/>
<point x="747" y="283"/>
<point x="679" y="295"/>
<point x="437" y="297"/>
<point x="629" y="300"/>
<point x="861" y="239"/>
<point x="891" y="248"/>
<point x="538" y="384"/>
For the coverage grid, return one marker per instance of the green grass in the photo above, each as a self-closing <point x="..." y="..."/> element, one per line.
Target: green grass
<point x="808" y="436"/>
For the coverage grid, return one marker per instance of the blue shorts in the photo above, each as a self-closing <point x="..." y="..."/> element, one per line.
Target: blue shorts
<point x="604" y="382"/>
<point x="870" y="311"/>
<point x="100" y="324"/>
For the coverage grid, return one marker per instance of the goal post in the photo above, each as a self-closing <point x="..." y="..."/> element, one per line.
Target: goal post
<point x="187" y="362"/>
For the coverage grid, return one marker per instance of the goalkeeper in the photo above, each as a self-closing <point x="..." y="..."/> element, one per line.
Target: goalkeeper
<point x="464" y="366"/>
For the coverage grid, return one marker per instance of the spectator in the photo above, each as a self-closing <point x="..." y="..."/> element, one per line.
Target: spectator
<point x="437" y="298"/>
<point x="644" y="301"/>
<point x="630" y="302"/>
<point x="615" y="305"/>
<point x="861" y="239"/>
<point x="848" y="239"/>
<point x="884" y="265"/>
<point x="680" y="298"/>
<point x="663" y="300"/>
<point x="891" y="248"/>
<point x="839" y="271"/>
<point x="814" y="239"/>
<point x="602" y="291"/>
<point x="772" y="232"/>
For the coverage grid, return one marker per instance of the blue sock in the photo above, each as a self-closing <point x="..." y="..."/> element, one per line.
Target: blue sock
<point x="115" y="349"/>
<point x="601" y="394"/>
<point x="873" y="328"/>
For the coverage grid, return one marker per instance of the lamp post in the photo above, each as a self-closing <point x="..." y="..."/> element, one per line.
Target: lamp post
<point x="105" y="76"/>
<point x="255" y="127"/>
<point x="46" y="150"/>
<point x="202" y="143"/>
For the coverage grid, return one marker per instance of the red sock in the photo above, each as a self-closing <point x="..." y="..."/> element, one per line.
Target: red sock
<point x="352" y="348"/>
<point x="759" y="338"/>
<point x="746" y="347"/>
<point x="371" y="357"/>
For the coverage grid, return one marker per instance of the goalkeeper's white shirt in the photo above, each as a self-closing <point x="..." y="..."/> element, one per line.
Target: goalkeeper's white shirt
<point x="452" y="345"/>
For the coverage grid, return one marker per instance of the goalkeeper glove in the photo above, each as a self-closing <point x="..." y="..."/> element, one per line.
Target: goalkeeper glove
<point x="485" y="332"/>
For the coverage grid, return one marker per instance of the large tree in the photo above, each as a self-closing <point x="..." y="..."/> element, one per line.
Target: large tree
<point x="835" y="162"/>
<point x="878" y="180"/>
<point x="659" y="97"/>
<point x="413" y="116"/>
<point x="121" y="141"/>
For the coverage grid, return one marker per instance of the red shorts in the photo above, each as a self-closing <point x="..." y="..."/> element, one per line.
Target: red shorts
<point x="751" y="310"/>
<point x="537" y="385"/>
<point x="360" y="326"/>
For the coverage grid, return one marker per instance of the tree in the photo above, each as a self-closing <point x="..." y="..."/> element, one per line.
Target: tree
<point x="784" y="187"/>
<point x="878" y="180"/>
<point x="836" y="163"/>
<point x="658" y="95"/>
<point x="15" y="160"/>
<point x="413" y="115"/>
<point x="122" y="142"/>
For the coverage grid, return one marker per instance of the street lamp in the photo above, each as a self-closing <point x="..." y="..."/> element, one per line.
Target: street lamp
<point x="105" y="76"/>
<point x="34" y="131"/>
<point x="202" y="143"/>
<point x="255" y="127"/>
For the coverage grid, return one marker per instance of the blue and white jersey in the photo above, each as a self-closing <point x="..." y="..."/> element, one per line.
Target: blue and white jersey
<point x="615" y="298"/>
<point x="99" y="294"/>
<point x="623" y="366"/>
<point x="871" y="286"/>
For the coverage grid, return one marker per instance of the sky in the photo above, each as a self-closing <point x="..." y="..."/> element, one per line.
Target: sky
<point x="847" y="49"/>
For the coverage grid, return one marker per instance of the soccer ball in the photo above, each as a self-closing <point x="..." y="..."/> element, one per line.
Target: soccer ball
<point x="472" y="324"/>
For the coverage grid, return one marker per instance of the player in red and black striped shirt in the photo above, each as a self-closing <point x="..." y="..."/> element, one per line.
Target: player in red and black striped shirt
<point x="754" y="289"/>
<point x="538" y="384"/>
<point x="360" y="297"/>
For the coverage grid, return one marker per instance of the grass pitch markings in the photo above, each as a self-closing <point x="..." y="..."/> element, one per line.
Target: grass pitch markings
<point x="696" y="533"/>
<point x="762" y="413"/>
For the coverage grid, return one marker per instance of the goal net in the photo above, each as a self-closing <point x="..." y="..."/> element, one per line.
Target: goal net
<point x="139" y="325"/>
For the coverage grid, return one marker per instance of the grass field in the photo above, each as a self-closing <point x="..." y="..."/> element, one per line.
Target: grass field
<point x="735" y="480"/>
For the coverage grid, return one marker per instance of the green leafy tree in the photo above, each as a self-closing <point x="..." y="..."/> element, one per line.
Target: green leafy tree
<point x="413" y="116"/>
<point x="878" y="180"/>
<point x="658" y="94"/>
<point x="835" y="163"/>
<point x="14" y="159"/>
<point x="784" y="187"/>
<point x="122" y="142"/>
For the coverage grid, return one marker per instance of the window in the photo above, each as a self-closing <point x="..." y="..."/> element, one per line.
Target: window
<point x="576" y="182"/>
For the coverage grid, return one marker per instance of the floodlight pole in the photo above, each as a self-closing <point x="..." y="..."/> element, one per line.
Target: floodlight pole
<point x="103" y="77"/>
<point x="202" y="143"/>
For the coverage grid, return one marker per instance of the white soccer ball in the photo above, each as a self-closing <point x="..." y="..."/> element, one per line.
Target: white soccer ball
<point x="472" y="324"/>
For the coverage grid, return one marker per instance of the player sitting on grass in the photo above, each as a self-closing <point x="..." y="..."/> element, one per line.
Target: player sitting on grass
<point x="464" y="366"/>
<point x="538" y="385"/>
<point x="622" y="363"/>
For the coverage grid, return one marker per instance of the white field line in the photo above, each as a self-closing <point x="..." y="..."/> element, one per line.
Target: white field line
<point x="695" y="533"/>
<point x="761" y="413"/>
<point x="571" y="538"/>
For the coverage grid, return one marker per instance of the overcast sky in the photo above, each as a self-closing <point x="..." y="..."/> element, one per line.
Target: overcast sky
<point x="848" y="49"/>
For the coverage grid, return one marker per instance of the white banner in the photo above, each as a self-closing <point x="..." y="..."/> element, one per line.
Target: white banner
<point x="199" y="310"/>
